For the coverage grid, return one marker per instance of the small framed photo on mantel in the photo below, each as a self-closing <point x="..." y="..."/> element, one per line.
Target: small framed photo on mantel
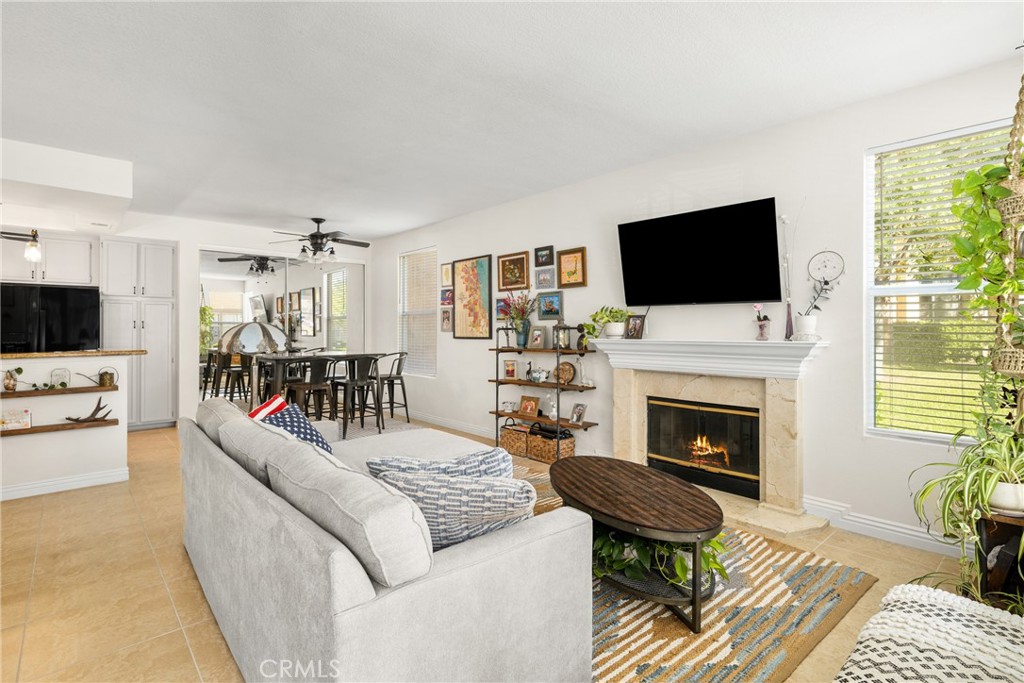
<point x="635" y="326"/>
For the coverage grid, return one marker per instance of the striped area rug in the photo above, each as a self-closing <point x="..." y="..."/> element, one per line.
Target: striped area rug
<point x="778" y="604"/>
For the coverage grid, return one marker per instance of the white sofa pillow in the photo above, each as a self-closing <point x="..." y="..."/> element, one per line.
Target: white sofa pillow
<point x="381" y="526"/>
<point x="252" y="444"/>
<point x="460" y="508"/>
<point x="215" y="412"/>
<point x="494" y="462"/>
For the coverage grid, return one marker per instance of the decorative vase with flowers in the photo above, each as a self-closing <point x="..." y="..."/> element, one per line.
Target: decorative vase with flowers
<point x="520" y="307"/>
<point x="764" y="325"/>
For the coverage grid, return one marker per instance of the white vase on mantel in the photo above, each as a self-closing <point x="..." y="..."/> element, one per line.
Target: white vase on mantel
<point x="806" y="328"/>
<point x="614" y="330"/>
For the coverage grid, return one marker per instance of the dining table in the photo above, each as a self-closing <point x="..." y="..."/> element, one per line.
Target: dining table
<point x="279" y="363"/>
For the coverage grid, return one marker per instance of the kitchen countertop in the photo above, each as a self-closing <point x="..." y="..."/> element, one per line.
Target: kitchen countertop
<point x="73" y="354"/>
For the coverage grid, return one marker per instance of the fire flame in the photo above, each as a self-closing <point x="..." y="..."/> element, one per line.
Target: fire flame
<point x="702" y="450"/>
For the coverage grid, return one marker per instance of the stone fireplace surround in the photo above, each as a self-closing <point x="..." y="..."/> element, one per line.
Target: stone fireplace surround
<point x="762" y="375"/>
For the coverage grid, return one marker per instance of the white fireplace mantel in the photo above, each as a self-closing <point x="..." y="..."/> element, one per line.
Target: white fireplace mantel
<point x="759" y="359"/>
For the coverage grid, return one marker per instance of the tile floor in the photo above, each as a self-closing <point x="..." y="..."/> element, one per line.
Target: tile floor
<point x="96" y="585"/>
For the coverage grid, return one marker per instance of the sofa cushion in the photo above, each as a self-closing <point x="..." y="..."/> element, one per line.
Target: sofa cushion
<point x="274" y="404"/>
<point x="291" y="420"/>
<point x="252" y="444"/>
<point x="495" y="462"/>
<point x="460" y="508"/>
<point x="382" y="527"/>
<point x="214" y="412"/>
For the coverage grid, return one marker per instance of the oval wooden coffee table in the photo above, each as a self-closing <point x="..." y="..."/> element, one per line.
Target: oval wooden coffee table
<point x="649" y="503"/>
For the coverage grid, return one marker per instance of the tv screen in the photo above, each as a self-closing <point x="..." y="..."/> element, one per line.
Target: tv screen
<point x="35" y="318"/>
<point x="728" y="254"/>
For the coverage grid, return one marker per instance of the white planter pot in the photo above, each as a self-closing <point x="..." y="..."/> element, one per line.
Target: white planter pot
<point x="806" y="328"/>
<point x="615" y="330"/>
<point x="1008" y="497"/>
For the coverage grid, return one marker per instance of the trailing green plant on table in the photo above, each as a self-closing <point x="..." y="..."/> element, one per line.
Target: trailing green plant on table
<point x="600" y="318"/>
<point x="636" y="557"/>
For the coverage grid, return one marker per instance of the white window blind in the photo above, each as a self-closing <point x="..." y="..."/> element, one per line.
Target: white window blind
<point x="227" y="311"/>
<point x="417" y="310"/>
<point x="337" y="310"/>
<point x="925" y="378"/>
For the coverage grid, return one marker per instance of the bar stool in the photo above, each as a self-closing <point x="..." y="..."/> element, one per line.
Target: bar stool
<point x="318" y="387"/>
<point x="237" y="377"/>
<point x="208" y="370"/>
<point x="394" y="377"/>
<point x="360" y="383"/>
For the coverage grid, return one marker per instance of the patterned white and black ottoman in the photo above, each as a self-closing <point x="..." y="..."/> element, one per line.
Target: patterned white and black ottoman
<point x="926" y="634"/>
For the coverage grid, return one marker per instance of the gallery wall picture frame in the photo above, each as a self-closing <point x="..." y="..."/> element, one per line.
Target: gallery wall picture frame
<point x="544" y="278"/>
<point x="529" y="405"/>
<point x="511" y="369"/>
<point x="501" y="309"/>
<point x="446" y="318"/>
<point x="538" y="338"/>
<point x="572" y="267"/>
<point x="258" y="308"/>
<point x="514" y="271"/>
<point x="306" y="321"/>
<point x="448" y="297"/>
<point x="446" y="275"/>
<point x="471" y="280"/>
<point x="293" y="301"/>
<point x="279" y="305"/>
<point x="635" y="326"/>
<point x="544" y="256"/>
<point x="549" y="306"/>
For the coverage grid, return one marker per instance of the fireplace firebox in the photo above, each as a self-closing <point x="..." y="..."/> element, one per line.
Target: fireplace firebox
<point x="706" y="443"/>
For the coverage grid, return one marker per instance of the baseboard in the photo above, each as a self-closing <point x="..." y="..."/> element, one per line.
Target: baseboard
<point x="839" y="515"/>
<point x="37" y="488"/>
<point x="467" y="427"/>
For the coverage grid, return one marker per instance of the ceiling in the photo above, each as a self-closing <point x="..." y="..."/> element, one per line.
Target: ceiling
<point x="384" y="117"/>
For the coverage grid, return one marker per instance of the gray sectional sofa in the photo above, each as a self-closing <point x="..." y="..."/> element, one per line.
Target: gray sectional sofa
<point x="296" y="603"/>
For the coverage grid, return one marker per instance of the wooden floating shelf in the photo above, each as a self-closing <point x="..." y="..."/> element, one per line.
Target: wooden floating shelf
<point x="564" y="352"/>
<point x="63" y="427"/>
<point x="29" y="393"/>
<point x="543" y="385"/>
<point x="543" y="420"/>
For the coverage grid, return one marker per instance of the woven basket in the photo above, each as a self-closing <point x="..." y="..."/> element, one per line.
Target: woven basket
<point x="1011" y="208"/>
<point x="1009" y="361"/>
<point x="546" y="450"/>
<point x="513" y="439"/>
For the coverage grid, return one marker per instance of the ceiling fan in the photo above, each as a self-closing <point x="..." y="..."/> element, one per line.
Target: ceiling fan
<point x="319" y="248"/>
<point x="258" y="264"/>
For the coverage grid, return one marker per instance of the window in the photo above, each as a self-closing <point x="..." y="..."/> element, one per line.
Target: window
<point x="925" y="378"/>
<point x="337" y="310"/>
<point x="417" y="310"/>
<point x="227" y="312"/>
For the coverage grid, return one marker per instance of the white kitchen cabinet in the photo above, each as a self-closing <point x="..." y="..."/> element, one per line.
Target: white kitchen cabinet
<point x="120" y="264"/>
<point x="135" y="323"/>
<point x="66" y="260"/>
<point x="156" y="270"/>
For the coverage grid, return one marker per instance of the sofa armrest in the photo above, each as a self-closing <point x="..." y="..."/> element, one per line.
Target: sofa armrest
<point x="531" y="582"/>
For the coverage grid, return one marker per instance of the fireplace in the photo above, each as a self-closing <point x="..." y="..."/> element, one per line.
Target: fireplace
<point x="709" y="444"/>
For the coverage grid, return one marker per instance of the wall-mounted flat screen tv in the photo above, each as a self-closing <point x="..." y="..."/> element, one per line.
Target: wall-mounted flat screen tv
<point x="727" y="254"/>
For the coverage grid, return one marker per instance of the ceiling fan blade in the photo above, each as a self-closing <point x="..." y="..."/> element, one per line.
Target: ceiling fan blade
<point x="300" y="239"/>
<point x="235" y="258"/>
<point x="297" y="234"/>
<point x="351" y="243"/>
<point x="337" y="234"/>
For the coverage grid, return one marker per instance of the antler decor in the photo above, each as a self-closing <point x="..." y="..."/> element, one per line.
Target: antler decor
<point x="94" y="416"/>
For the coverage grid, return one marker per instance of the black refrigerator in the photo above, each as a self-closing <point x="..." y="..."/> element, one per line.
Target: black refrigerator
<point x="35" y="318"/>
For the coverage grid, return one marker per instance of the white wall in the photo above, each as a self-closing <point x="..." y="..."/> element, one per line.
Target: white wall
<point x="192" y="236"/>
<point x="821" y="159"/>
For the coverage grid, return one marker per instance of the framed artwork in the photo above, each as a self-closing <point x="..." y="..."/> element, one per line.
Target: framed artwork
<point x="446" y="319"/>
<point x="293" y="301"/>
<point x="511" y="369"/>
<point x="471" y="280"/>
<point x="538" y="338"/>
<point x="446" y="275"/>
<point x="529" y="405"/>
<point x="544" y="256"/>
<point x="549" y="306"/>
<point x="572" y="267"/>
<point x="578" y="411"/>
<point x="306" y="324"/>
<point x="258" y="308"/>
<point x="279" y="305"/>
<point x="635" y="326"/>
<point x="514" y="271"/>
<point x="447" y="297"/>
<point x="545" y="278"/>
<point x="501" y="309"/>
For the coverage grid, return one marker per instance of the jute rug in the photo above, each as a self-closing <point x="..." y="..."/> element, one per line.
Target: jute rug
<point x="356" y="432"/>
<point x="778" y="604"/>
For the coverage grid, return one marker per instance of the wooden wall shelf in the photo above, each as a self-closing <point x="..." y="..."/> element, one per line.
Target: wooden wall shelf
<point x="62" y="427"/>
<point x="30" y="393"/>
<point x="543" y="420"/>
<point x="543" y="385"/>
<point x="564" y="352"/>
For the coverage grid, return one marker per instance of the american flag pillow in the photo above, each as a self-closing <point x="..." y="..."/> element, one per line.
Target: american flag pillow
<point x="298" y="425"/>
<point x="275" y="405"/>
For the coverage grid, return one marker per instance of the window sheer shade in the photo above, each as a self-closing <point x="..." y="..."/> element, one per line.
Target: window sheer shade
<point x="417" y="310"/>
<point x="337" y="310"/>
<point x="924" y="348"/>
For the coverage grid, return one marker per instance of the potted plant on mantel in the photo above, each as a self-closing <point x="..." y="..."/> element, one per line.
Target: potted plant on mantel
<point x="989" y="473"/>
<point x="607" y="320"/>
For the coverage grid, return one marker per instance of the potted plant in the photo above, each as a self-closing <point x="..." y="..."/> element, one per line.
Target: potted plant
<point x="764" y="324"/>
<point x="206" y="340"/>
<point x="609" y="320"/>
<point x="636" y="558"/>
<point x="520" y="307"/>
